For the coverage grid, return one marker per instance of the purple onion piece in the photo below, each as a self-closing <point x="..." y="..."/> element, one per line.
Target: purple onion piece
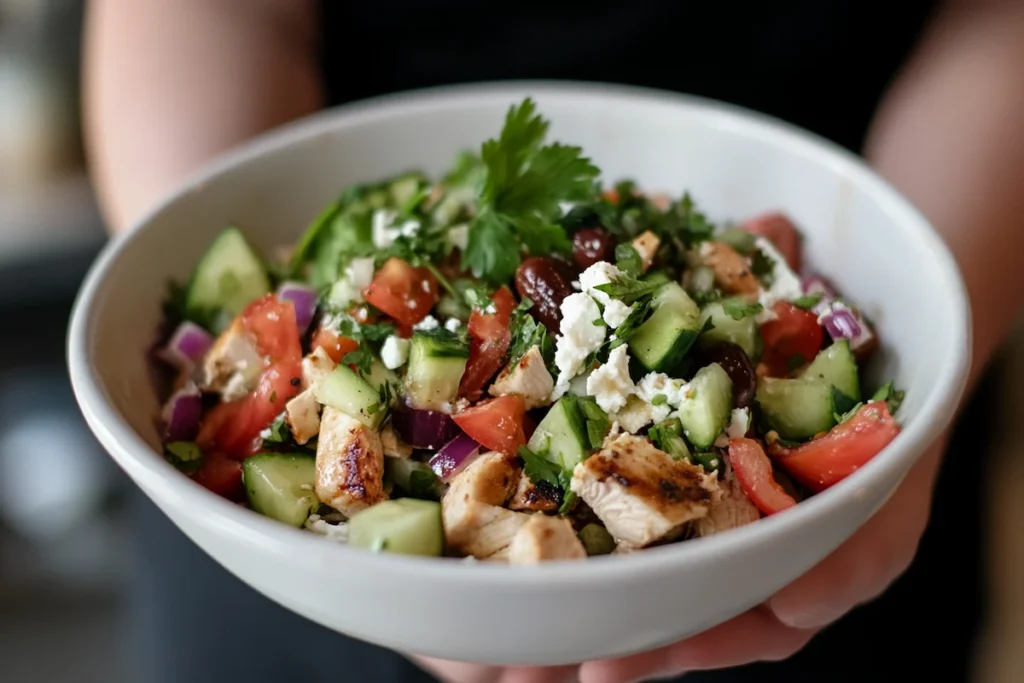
<point x="426" y="429"/>
<point x="303" y="298"/>
<point x="182" y="413"/>
<point x="454" y="456"/>
<point x="842" y="324"/>
<point x="187" y="346"/>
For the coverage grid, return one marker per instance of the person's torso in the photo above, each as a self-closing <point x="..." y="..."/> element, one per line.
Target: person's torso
<point x="821" y="65"/>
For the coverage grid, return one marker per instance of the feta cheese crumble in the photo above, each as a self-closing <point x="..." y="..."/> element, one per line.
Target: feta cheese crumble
<point x="739" y="425"/>
<point x="601" y="273"/>
<point x="578" y="338"/>
<point x="360" y="272"/>
<point x="452" y="324"/>
<point x="428" y="323"/>
<point x="615" y="313"/>
<point x="395" y="352"/>
<point x="384" y="231"/>
<point x="786" y="284"/>
<point x="610" y="384"/>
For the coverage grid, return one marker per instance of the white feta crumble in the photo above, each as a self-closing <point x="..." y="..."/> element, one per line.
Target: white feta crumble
<point x="578" y="337"/>
<point x="576" y="285"/>
<point x="601" y="273"/>
<point x="610" y="384"/>
<point x="458" y="235"/>
<point x="395" y="352"/>
<point x="739" y="425"/>
<point x="616" y="312"/>
<point x="655" y="384"/>
<point x="452" y="324"/>
<point x="360" y="272"/>
<point x="384" y="231"/>
<point x="428" y="323"/>
<point x="335" y="532"/>
<point x="786" y="284"/>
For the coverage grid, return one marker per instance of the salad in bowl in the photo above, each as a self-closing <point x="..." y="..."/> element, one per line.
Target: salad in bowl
<point x="517" y="362"/>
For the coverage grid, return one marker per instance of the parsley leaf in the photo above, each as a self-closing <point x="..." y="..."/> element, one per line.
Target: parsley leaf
<point x="628" y="289"/>
<point x="890" y="395"/>
<point x="627" y="259"/>
<point x="527" y="333"/>
<point x="807" y="302"/>
<point x="538" y="468"/>
<point x="362" y="358"/>
<point x="737" y="309"/>
<point x="763" y="266"/>
<point x="843" y="403"/>
<point x="524" y="185"/>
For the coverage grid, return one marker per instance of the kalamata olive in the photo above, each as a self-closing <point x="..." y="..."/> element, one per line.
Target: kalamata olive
<point x="590" y="245"/>
<point x="541" y="280"/>
<point x="737" y="365"/>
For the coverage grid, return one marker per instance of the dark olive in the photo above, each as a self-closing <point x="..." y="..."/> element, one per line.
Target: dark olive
<point x="737" y="365"/>
<point x="541" y="280"/>
<point x="590" y="245"/>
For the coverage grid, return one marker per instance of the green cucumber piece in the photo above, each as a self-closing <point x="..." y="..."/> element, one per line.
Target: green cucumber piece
<point x="405" y="526"/>
<point x="437" y="360"/>
<point x="836" y="366"/>
<point x="725" y="328"/>
<point x="796" y="408"/>
<point x="661" y="343"/>
<point x="346" y="391"/>
<point x="280" y="486"/>
<point x="379" y="375"/>
<point x="707" y="408"/>
<point x="229" y="276"/>
<point x="562" y="435"/>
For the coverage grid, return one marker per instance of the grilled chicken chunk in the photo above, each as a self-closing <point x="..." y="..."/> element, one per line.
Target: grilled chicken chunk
<point x="542" y="538"/>
<point x="349" y="464"/>
<point x="394" y="446"/>
<point x="232" y="366"/>
<point x="640" y="493"/>
<point x="732" y="271"/>
<point x="542" y="497"/>
<point x="528" y="377"/>
<point x="733" y="510"/>
<point x="302" y="414"/>
<point x="474" y="521"/>
<point x="646" y="245"/>
<point x="315" y="366"/>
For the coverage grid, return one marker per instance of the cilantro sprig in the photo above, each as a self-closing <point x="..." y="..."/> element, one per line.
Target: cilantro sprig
<point x="524" y="184"/>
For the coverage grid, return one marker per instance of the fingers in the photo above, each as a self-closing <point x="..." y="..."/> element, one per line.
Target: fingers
<point x="462" y="672"/>
<point x="753" y="636"/>
<point x="864" y="566"/>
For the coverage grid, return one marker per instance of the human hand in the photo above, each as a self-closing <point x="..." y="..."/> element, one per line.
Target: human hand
<point x="857" y="572"/>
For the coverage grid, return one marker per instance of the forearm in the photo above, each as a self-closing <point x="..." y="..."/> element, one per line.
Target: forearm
<point x="171" y="83"/>
<point x="950" y="137"/>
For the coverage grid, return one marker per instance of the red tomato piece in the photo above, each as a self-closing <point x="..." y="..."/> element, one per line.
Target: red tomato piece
<point x="754" y="473"/>
<point x="496" y="424"/>
<point x="830" y="458"/>
<point x="272" y="322"/>
<point x="221" y="475"/>
<point x="489" y="340"/>
<point x="333" y="345"/>
<point x="405" y="293"/>
<point x="791" y="340"/>
<point x="780" y="231"/>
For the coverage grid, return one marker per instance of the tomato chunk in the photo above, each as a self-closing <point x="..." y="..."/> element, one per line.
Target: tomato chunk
<point x="780" y="231"/>
<point x="403" y="292"/>
<point x="791" y="340"/>
<point x="820" y="463"/>
<point x="496" y="424"/>
<point x="333" y="345"/>
<point x="272" y="322"/>
<point x="754" y="473"/>
<point x="489" y="339"/>
<point x="221" y="475"/>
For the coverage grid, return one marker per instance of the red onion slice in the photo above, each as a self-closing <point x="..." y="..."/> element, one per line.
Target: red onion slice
<point x="182" y="413"/>
<point x="186" y="347"/>
<point x="303" y="298"/>
<point x="427" y="429"/>
<point x="454" y="457"/>
<point x="841" y="324"/>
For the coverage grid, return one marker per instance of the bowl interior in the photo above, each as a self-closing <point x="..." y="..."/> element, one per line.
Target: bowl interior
<point x="870" y="243"/>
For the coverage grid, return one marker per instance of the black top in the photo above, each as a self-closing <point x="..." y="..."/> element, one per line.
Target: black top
<point x="820" y="64"/>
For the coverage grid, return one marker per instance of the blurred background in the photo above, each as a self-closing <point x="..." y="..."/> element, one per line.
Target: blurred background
<point x="64" y="560"/>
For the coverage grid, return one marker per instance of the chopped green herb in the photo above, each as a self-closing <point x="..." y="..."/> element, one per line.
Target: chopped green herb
<point x="890" y="395"/>
<point x="185" y="455"/>
<point x="844" y="405"/>
<point x="362" y="358"/>
<point x="763" y="266"/>
<point x="709" y="461"/>
<point x="627" y="259"/>
<point x="628" y="289"/>
<point x="568" y="502"/>
<point x="807" y="302"/>
<point x="737" y="309"/>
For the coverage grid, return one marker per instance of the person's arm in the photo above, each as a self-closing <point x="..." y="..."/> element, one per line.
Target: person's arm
<point x="170" y="83"/>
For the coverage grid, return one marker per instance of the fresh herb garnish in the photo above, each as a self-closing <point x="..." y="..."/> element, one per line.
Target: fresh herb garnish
<point x="185" y="455"/>
<point x="520" y="203"/>
<point x="628" y="289"/>
<point x="527" y="333"/>
<point x="627" y="259"/>
<point x="890" y="395"/>
<point x="763" y="266"/>
<point x="638" y="316"/>
<point x="362" y="358"/>
<point x="845" y="406"/>
<point x="737" y="309"/>
<point x="596" y="420"/>
<point x="807" y="302"/>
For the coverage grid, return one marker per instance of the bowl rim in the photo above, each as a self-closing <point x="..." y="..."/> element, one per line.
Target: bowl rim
<point x="224" y="517"/>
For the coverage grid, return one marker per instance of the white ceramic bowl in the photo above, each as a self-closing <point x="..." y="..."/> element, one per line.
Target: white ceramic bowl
<point x="875" y="246"/>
